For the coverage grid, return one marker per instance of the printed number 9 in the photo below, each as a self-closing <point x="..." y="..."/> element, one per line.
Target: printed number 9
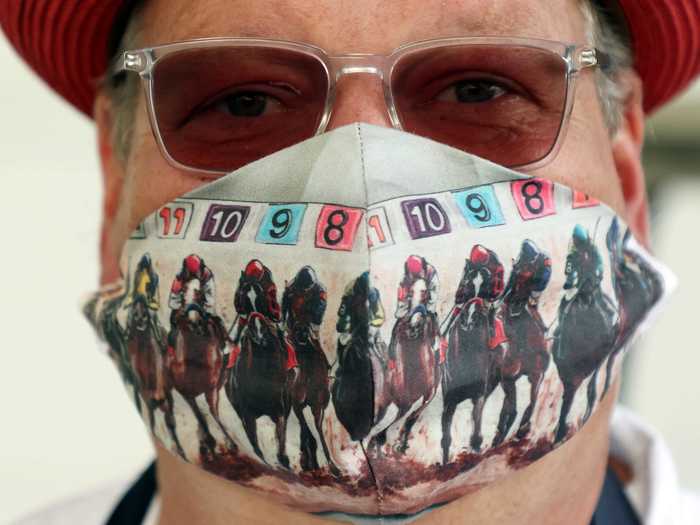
<point x="335" y="226"/>
<point x="477" y="205"/>
<point x="281" y="222"/>
<point x="532" y="192"/>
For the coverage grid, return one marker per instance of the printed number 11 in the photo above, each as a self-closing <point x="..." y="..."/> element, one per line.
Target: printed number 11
<point x="179" y="214"/>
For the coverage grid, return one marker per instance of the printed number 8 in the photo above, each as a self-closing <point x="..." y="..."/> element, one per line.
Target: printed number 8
<point x="281" y="222"/>
<point x="334" y="226"/>
<point x="480" y="210"/>
<point x="532" y="191"/>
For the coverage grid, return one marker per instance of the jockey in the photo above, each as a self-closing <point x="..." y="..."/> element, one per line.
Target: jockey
<point x="256" y="272"/>
<point x="484" y="262"/>
<point x="584" y="265"/>
<point x="361" y="304"/>
<point x="145" y="284"/>
<point x="193" y="268"/>
<point x="530" y="275"/>
<point x="415" y="268"/>
<point x="304" y="304"/>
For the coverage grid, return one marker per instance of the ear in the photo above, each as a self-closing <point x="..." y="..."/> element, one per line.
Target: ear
<point x="113" y="175"/>
<point x="627" y="147"/>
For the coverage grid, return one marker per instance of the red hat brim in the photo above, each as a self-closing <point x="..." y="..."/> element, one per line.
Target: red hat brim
<point x="67" y="43"/>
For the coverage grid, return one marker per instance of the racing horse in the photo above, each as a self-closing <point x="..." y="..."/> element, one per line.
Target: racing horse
<point x="259" y="383"/>
<point x="104" y="317"/>
<point x="312" y="389"/>
<point x="471" y="366"/>
<point x="361" y="375"/>
<point x="528" y="355"/>
<point x="146" y="351"/>
<point x="415" y="376"/>
<point x="196" y="364"/>
<point x="637" y="287"/>
<point x="581" y="343"/>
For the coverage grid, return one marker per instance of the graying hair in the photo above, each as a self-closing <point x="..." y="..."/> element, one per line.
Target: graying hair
<point x="603" y="31"/>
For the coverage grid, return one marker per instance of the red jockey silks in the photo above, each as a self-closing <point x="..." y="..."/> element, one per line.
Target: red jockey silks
<point x="320" y="316"/>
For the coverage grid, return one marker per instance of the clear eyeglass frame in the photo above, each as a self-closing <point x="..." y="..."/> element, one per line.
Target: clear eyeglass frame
<point x="576" y="58"/>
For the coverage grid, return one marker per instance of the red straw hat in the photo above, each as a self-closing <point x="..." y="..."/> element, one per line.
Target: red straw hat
<point x="67" y="41"/>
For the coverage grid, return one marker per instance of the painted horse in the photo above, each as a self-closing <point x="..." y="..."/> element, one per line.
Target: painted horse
<point x="414" y="375"/>
<point x="361" y="377"/>
<point x="528" y="352"/>
<point x="471" y="366"/>
<point x="637" y="287"/>
<point x="146" y="350"/>
<point x="312" y="389"/>
<point x="196" y="364"/>
<point x="260" y="384"/>
<point x="582" y="340"/>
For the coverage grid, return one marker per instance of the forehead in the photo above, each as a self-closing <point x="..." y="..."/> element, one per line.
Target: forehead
<point x="362" y="26"/>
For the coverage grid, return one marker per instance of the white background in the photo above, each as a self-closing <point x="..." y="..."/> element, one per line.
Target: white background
<point x="67" y="425"/>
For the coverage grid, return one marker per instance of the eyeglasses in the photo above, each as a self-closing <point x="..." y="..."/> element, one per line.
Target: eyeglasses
<point x="217" y="104"/>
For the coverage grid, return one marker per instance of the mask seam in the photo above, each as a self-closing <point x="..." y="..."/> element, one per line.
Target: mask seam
<point x="378" y="491"/>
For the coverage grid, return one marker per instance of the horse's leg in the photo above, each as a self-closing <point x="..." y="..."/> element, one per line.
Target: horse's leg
<point x="251" y="429"/>
<point x="151" y="417"/>
<point x="318" y="411"/>
<point x="207" y="443"/>
<point x="592" y="392"/>
<point x="308" y="443"/>
<point x="281" y="432"/>
<point x="477" y="411"/>
<point x="212" y="397"/>
<point x="567" y="400"/>
<point x="508" y="411"/>
<point x="168" y="410"/>
<point x="410" y="421"/>
<point x="608" y="372"/>
<point x="535" y="377"/>
<point x="448" y="412"/>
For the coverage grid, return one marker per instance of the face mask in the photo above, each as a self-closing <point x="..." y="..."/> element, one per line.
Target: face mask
<point x="373" y="322"/>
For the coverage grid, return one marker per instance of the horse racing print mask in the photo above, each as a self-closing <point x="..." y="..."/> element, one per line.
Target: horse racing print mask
<point x="373" y="322"/>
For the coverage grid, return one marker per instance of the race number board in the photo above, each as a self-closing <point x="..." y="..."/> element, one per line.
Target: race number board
<point x="378" y="229"/>
<point x="425" y="217"/>
<point x="281" y="224"/>
<point x="139" y="232"/>
<point x="173" y="219"/>
<point x="224" y="223"/>
<point x="479" y="206"/>
<point x="337" y="226"/>
<point x="583" y="200"/>
<point x="534" y="198"/>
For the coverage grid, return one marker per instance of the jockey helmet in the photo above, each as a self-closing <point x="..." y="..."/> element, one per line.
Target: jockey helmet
<point x="414" y="265"/>
<point x="306" y="278"/>
<point x="479" y="255"/>
<point x="144" y="263"/>
<point x="528" y="251"/>
<point x="254" y="269"/>
<point x="580" y="236"/>
<point x="193" y="264"/>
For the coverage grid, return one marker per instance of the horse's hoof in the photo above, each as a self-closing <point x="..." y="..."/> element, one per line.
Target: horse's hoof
<point x="335" y="471"/>
<point x="497" y="440"/>
<point x="523" y="431"/>
<point x="284" y="461"/>
<point x="475" y="443"/>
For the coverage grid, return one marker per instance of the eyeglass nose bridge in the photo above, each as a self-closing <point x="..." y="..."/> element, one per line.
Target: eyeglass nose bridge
<point x="363" y="64"/>
<point x="357" y="63"/>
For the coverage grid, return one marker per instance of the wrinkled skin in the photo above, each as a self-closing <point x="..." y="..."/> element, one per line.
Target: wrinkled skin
<point x="563" y="486"/>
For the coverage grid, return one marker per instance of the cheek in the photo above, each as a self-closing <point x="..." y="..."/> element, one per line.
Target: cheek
<point x="585" y="161"/>
<point x="150" y="183"/>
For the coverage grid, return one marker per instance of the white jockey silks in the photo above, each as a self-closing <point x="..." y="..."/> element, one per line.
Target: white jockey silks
<point x="373" y="322"/>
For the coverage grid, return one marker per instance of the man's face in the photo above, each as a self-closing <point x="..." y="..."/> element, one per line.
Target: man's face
<point x="586" y="160"/>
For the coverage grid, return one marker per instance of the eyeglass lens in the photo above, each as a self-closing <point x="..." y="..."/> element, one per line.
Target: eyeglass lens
<point x="219" y="108"/>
